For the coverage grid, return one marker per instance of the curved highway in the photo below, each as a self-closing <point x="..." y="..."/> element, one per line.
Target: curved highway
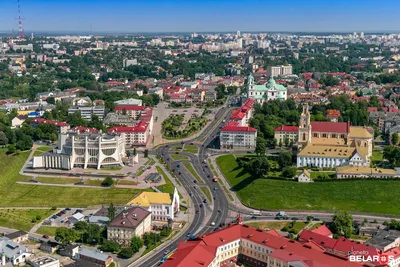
<point x="215" y="212"/>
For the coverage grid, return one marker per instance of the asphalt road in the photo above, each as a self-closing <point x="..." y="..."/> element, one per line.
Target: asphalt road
<point x="216" y="211"/>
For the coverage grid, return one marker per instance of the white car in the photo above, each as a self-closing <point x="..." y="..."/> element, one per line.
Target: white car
<point x="213" y="223"/>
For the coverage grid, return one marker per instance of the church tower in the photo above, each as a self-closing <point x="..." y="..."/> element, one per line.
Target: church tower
<point x="304" y="127"/>
<point x="250" y="86"/>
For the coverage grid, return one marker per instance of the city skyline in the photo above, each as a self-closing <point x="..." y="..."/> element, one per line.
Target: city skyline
<point x="200" y="16"/>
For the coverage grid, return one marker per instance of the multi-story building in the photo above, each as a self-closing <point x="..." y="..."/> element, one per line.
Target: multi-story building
<point x="252" y="247"/>
<point x="243" y="114"/>
<point x="274" y="71"/>
<point x="139" y="133"/>
<point x="233" y="136"/>
<point x="87" y="112"/>
<point x="284" y="132"/>
<point x="12" y="253"/>
<point x="163" y="206"/>
<point x="129" y="223"/>
<point x="83" y="149"/>
<point x="265" y="92"/>
<point x="128" y="102"/>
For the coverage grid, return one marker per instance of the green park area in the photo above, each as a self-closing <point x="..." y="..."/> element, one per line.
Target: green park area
<point x="179" y="157"/>
<point x="42" y="149"/>
<point x="23" y="219"/>
<point x="47" y="230"/>
<point x="174" y="127"/>
<point x="296" y="226"/>
<point x="13" y="194"/>
<point x="168" y="187"/>
<point x="375" y="196"/>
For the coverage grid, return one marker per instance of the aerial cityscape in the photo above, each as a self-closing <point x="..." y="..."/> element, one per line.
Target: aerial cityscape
<point x="199" y="133"/>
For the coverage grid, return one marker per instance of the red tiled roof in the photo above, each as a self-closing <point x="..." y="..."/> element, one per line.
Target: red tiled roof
<point x="330" y="127"/>
<point x="241" y="112"/>
<point x="333" y="113"/>
<point x="52" y="122"/>
<point x="322" y="230"/>
<point x="232" y="128"/>
<point x="287" y="128"/>
<point x="202" y="251"/>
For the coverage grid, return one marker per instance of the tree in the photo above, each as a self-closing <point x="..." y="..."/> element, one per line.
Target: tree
<point x="146" y="153"/>
<point x="3" y="139"/>
<point x="395" y="139"/>
<point x="285" y="159"/>
<point x="286" y="141"/>
<point x="110" y="246"/>
<point x="111" y="212"/>
<point x="24" y="142"/>
<point x="392" y="154"/>
<point x="51" y="100"/>
<point x="136" y="243"/>
<point x="280" y="142"/>
<point x="126" y="253"/>
<point x="260" y="146"/>
<point x="134" y="151"/>
<point x="80" y="226"/>
<point x="259" y="167"/>
<point x="108" y="181"/>
<point x="289" y="172"/>
<point x="342" y="224"/>
<point x="65" y="235"/>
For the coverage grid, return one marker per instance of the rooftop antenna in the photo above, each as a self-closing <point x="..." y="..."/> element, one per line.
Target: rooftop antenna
<point x="20" y="30"/>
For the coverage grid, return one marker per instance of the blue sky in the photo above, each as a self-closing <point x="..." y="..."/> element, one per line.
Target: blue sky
<point x="202" y="15"/>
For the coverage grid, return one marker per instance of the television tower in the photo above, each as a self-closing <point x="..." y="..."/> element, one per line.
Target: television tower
<point x="20" y="30"/>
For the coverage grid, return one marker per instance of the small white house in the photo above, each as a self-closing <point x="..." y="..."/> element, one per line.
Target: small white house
<point x="305" y="177"/>
<point x="77" y="217"/>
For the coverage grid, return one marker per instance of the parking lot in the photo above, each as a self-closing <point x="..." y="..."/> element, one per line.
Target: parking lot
<point x="61" y="218"/>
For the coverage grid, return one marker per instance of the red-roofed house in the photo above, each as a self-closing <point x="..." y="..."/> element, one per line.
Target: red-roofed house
<point x="253" y="247"/>
<point x="285" y="132"/>
<point x="243" y="114"/>
<point x="52" y="122"/>
<point x="333" y="115"/>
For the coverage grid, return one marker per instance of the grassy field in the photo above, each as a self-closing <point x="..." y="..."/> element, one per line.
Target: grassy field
<point x="277" y="225"/>
<point x="22" y="219"/>
<point x="47" y="230"/>
<point x="126" y="182"/>
<point x="54" y="180"/>
<point x="13" y="194"/>
<point x="168" y="187"/>
<point x="315" y="175"/>
<point x="42" y="149"/>
<point x="357" y="195"/>
<point x="206" y="192"/>
<point x="179" y="157"/>
<point x="94" y="182"/>
<point x="191" y="149"/>
<point x="190" y="168"/>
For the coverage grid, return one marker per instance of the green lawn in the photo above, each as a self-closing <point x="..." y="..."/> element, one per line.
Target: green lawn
<point x="94" y="182"/>
<point x="140" y="172"/>
<point x="191" y="149"/>
<point x="168" y="187"/>
<point x="13" y="194"/>
<point x="190" y="168"/>
<point x="377" y="155"/>
<point x="47" y="230"/>
<point x="315" y="175"/>
<point x="22" y="219"/>
<point x="41" y="149"/>
<point x="179" y="157"/>
<point x="126" y="182"/>
<point x="54" y="180"/>
<point x="212" y="168"/>
<point x="206" y="192"/>
<point x="357" y="195"/>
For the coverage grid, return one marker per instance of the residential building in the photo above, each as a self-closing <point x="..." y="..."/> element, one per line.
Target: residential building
<point x="305" y="177"/>
<point x="18" y="236"/>
<point x="49" y="246"/>
<point x="346" y="172"/>
<point x="129" y="223"/>
<point x="87" y="112"/>
<point x="80" y="101"/>
<point x="99" y="258"/>
<point x="323" y="230"/>
<point x="163" y="206"/>
<point x="284" y="132"/>
<point x="77" y="217"/>
<point x="243" y="244"/>
<point x="243" y="114"/>
<point x="139" y="133"/>
<point x="12" y="252"/>
<point x="265" y="92"/>
<point x="210" y="95"/>
<point x="333" y="115"/>
<point x="233" y="136"/>
<point x="70" y="250"/>
<point x="18" y="121"/>
<point x="274" y="71"/>
<point x="129" y="62"/>
<point x="85" y="150"/>
<point x="44" y="261"/>
<point x="157" y="91"/>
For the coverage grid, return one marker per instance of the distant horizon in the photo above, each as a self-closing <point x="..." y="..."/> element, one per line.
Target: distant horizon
<point x="160" y="16"/>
